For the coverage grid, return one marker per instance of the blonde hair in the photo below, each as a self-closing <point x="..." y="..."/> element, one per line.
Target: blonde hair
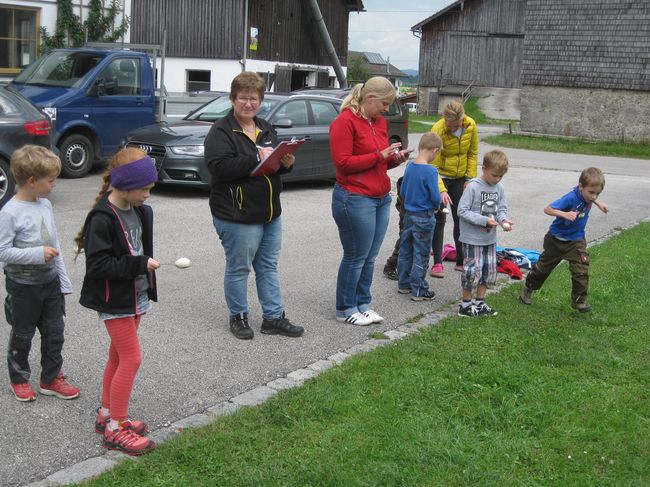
<point x="123" y="157"/>
<point x="34" y="161"/>
<point x="429" y="141"/>
<point x="454" y="110"/>
<point x="377" y="86"/>
<point x="592" y="176"/>
<point x="247" y="81"/>
<point x="496" y="159"/>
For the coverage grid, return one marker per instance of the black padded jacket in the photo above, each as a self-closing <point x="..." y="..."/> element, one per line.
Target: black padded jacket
<point x="231" y="156"/>
<point x="109" y="284"/>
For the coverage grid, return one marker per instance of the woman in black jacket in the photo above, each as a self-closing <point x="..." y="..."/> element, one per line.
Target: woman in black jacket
<point x="246" y="209"/>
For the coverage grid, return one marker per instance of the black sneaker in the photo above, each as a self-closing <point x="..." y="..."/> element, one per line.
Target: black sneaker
<point x="239" y="326"/>
<point x="426" y="295"/>
<point x="390" y="273"/>
<point x="281" y="326"/>
<point x="484" y="310"/>
<point x="468" y="311"/>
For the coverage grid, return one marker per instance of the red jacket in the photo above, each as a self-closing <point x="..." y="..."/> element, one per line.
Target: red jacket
<point x="355" y="144"/>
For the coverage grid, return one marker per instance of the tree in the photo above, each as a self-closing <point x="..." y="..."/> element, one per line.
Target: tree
<point x="100" y="26"/>
<point x="357" y="71"/>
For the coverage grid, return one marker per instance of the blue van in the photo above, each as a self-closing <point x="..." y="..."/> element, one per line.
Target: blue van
<point x="94" y="97"/>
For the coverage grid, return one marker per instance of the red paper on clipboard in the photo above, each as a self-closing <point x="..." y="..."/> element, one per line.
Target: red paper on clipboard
<point x="271" y="164"/>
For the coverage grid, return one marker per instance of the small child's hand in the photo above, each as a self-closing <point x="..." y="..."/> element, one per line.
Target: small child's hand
<point x="604" y="207"/>
<point x="49" y="253"/>
<point x="491" y="222"/>
<point x="152" y="264"/>
<point x="507" y="225"/>
<point x="571" y="215"/>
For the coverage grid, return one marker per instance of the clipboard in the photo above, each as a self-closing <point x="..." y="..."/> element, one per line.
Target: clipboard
<point x="272" y="163"/>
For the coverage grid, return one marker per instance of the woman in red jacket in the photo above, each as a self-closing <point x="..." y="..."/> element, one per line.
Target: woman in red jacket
<point x="361" y="199"/>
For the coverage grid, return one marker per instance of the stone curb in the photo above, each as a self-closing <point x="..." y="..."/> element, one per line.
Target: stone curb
<point x="93" y="467"/>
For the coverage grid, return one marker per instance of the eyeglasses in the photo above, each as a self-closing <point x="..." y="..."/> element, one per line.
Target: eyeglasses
<point x="247" y="99"/>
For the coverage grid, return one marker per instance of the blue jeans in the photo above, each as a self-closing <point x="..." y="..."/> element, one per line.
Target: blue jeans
<point x="413" y="259"/>
<point x="362" y="222"/>
<point x="257" y="246"/>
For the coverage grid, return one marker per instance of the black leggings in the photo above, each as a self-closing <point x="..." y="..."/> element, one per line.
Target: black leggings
<point x="455" y="190"/>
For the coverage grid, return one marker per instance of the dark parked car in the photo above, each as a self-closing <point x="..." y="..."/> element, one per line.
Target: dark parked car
<point x="20" y="123"/>
<point x="397" y="115"/>
<point x="177" y="147"/>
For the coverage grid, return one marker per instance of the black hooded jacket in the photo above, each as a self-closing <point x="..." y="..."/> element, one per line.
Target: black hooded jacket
<point x="109" y="284"/>
<point x="231" y="156"/>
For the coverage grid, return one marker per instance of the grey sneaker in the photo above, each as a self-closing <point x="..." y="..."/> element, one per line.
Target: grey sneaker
<point x="468" y="311"/>
<point x="525" y="294"/>
<point x="426" y="295"/>
<point x="582" y="307"/>
<point x="484" y="310"/>
<point x="239" y="326"/>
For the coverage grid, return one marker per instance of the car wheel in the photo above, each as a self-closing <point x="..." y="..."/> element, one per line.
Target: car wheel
<point x="7" y="183"/>
<point x="77" y="156"/>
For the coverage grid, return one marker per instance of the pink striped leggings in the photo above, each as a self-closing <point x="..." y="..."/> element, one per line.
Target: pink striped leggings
<point x="124" y="359"/>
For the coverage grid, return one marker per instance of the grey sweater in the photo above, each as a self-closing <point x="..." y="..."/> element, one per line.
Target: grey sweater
<point x="25" y="228"/>
<point x="481" y="200"/>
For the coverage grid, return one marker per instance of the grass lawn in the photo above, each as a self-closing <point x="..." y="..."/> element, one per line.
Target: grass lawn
<point x="574" y="146"/>
<point x="539" y="395"/>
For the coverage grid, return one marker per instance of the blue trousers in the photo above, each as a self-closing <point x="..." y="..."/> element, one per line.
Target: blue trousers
<point x="413" y="259"/>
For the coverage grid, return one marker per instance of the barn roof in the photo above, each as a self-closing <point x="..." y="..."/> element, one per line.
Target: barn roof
<point x="376" y="64"/>
<point x="457" y="6"/>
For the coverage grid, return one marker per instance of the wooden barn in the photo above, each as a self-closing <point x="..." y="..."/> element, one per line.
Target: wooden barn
<point x="467" y="44"/>
<point x="210" y="41"/>
<point x="586" y="69"/>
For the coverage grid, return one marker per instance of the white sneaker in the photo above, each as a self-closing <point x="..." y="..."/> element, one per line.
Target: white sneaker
<point x="373" y="316"/>
<point x="357" y="318"/>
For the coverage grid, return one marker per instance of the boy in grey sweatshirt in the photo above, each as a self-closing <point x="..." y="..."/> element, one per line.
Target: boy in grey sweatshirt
<point x="36" y="278"/>
<point x="481" y="208"/>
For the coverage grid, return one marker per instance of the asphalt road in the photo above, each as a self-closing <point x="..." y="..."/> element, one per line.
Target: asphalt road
<point x="192" y="362"/>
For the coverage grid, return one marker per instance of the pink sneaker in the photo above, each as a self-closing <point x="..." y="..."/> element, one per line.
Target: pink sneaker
<point x="24" y="392"/>
<point x="126" y="441"/>
<point x="437" y="271"/>
<point x="60" y="388"/>
<point x="135" y="425"/>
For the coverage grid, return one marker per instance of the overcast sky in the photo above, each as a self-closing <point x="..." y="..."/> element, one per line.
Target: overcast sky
<point x="385" y="28"/>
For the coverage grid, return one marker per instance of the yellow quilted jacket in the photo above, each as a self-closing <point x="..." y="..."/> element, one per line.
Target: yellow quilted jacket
<point x="459" y="156"/>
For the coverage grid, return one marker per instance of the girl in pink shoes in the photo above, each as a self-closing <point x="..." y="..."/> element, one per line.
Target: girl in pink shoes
<point x="117" y="240"/>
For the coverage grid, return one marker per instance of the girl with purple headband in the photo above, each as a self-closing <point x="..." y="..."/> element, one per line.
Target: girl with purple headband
<point x="117" y="240"/>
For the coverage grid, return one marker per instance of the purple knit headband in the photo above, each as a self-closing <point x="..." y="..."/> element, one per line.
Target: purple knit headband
<point x="134" y="175"/>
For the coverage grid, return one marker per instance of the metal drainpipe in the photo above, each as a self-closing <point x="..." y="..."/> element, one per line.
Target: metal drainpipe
<point x="325" y="36"/>
<point x="243" y="53"/>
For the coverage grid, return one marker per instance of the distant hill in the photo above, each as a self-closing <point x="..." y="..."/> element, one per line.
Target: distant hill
<point x="412" y="80"/>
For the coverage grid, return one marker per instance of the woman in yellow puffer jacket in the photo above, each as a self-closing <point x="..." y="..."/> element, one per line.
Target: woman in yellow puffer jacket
<point x="457" y="164"/>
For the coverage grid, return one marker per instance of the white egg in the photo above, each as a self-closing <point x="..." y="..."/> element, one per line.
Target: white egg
<point x="506" y="225"/>
<point x="183" y="263"/>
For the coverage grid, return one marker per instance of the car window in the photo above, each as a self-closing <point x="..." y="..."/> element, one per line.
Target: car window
<point x="7" y="107"/>
<point x="59" y="68"/>
<point x="296" y="111"/>
<point x="125" y="73"/>
<point x="219" y="108"/>
<point x="324" y="112"/>
<point x="393" y="109"/>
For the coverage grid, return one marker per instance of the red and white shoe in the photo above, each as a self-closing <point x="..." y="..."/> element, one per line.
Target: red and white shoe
<point x="135" y="425"/>
<point x="24" y="392"/>
<point x="127" y="441"/>
<point x="59" y="388"/>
